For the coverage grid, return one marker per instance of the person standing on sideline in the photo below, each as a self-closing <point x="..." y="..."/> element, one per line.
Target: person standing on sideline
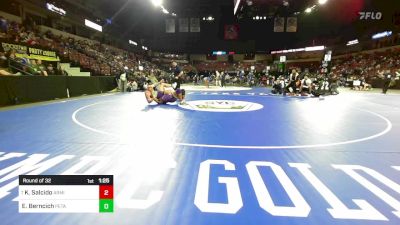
<point x="387" y="77"/>
<point x="178" y="75"/>
<point x="222" y="79"/>
<point x="241" y="76"/>
<point x="122" y="81"/>
<point x="217" y="79"/>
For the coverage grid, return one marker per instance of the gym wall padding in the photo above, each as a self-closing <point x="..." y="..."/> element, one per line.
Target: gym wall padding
<point x="3" y="92"/>
<point x="107" y="83"/>
<point x="28" y="89"/>
<point x="78" y="86"/>
<point x="45" y="88"/>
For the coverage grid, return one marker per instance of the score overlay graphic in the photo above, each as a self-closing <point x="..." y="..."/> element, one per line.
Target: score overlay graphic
<point x="66" y="194"/>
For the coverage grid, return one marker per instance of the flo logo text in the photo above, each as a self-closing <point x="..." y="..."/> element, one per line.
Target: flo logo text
<point x="370" y="15"/>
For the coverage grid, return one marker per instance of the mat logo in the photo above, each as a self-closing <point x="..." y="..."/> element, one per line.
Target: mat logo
<point x="222" y="106"/>
<point x="264" y="188"/>
<point x="265" y="191"/>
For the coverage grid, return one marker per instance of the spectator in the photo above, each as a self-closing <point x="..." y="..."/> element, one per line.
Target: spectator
<point x="364" y="85"/>
<point x="50" y="70"/>
<point x="132" y="86"/>
<point x="3" y="25"/>
<point x="34" y="68"/>
<point x="227" y="78"/>
<point x="15" y="64"/>
<point x="41" y="67"/>
<point x="3" y="60"/>
<point x="4" y="65"/>
<point x="357" y="84"/>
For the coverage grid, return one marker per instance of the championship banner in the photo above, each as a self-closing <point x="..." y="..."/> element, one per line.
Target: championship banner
<point x="23" y="51"/>
<point x="231" y="32"/>
<point x="279" y="24"/>
<point x="291" y="24"/>
<point x="194" y="24"/>
<point x="170" y="25"/>
<point x="183" y="25"/>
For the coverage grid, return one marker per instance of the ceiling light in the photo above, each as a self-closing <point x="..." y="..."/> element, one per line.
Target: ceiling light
<point x="165" y="11"/>
<point x="308" y="10"/>
<point x="353" y="42"/>
<point x="314" y="48"/>
<point x="132" y="42"/>
<point x="286" y="3"/>
<point x="156" y="3"/>
<point x="382" y="34"/>
<point x="257" y="17"/>
<point x="265" y="17"/>
<point x="321" y="2"/>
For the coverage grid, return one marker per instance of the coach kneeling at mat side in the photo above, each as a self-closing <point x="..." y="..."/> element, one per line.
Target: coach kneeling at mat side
<point x="164" y="95"/>
<point x="277" y="87"/>
<point x="321" y="87"/>
<point x="305" y="85"/>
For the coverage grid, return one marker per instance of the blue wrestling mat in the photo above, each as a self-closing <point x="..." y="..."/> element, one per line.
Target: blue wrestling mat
<point x="228" y="158"/>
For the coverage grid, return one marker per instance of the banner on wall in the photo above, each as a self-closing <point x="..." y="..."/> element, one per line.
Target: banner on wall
<point x="291" y="24"/>
<point x="231" y="32"/>
<point x="194" y="25"/>
<point x="183" y="25"/>
<point x="279" y="24"/>
<point x="170" y="25"/>
<point x="23" y="51"/>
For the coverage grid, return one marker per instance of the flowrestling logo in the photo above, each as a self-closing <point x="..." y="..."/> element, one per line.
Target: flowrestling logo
<point x="221" y="106"/>
<point x="370" y="15"/>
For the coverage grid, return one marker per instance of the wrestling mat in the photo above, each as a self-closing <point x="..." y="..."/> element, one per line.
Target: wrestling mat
<point x="230" y="157"/>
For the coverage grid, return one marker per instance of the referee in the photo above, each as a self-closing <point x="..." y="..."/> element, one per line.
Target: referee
<point x="178" y="75"/>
